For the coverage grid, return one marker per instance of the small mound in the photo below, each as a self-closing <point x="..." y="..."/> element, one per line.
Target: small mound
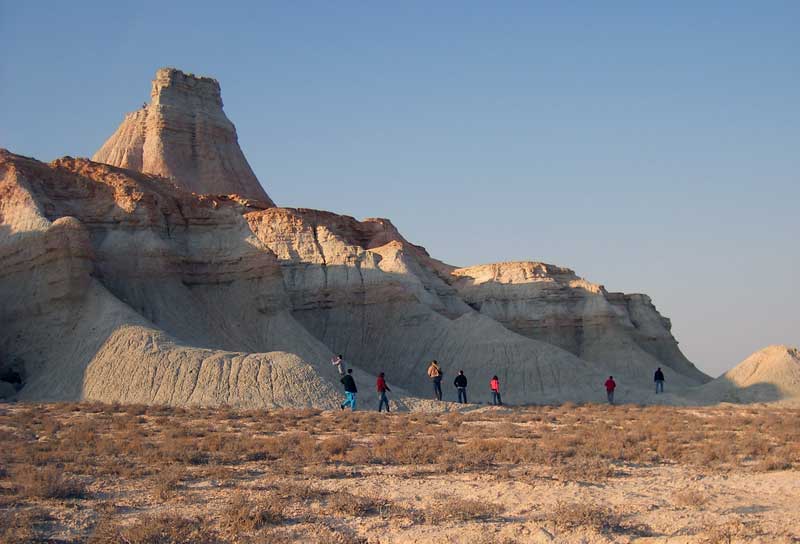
<point x="768" y="375"/>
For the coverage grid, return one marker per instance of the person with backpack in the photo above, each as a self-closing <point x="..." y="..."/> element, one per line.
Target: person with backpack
<point x="382" y="390"/>
<point x="435" y="374"/>
<point x="610" y="386"/>
<point x="461" y="384"/>
<point x="494" y="384"/>
<point x="350" y="390"/>
<point x="659" y="379"/>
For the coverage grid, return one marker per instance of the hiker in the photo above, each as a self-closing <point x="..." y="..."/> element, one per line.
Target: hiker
<point x="350" y="390"/>
<point x="495" y="385"/>
<point x="435" y="374"/>
<point x="659" y="379"/>
<point x="382" y="390"/>
<point x="461" y="384"/>
<point x="338" y="362"/>
<point x="610" y="386"/>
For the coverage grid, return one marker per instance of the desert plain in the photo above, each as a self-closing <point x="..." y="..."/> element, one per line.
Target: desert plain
<point x="573" y="473"/>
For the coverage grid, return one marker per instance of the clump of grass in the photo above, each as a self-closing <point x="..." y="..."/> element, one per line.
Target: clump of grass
<point x="336" y="445"/>
<point x="167" y="481"/>
<point x="49" y="483"/>
<point x="345" y="503"/>
<point x="690" y="498"/>
<point x="245" y="515"/>
<point x="570" y="516"/>
<point x="164" y="529"/>
<point x="19" y="527"/>
<point x="462" y="510"/>
<point x="772" y="463"/>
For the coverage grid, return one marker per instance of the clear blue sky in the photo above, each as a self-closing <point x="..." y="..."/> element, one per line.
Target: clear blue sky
<point x="651" y="146"/>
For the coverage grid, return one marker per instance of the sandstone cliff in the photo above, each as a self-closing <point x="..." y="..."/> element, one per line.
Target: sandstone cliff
<point x="156" y="294"/>
<point x="184" y="134"/>
<point x="140" y="280"/>
<point x="625" y="333"/>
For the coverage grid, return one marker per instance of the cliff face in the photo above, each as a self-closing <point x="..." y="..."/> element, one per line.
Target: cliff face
<point x="120" y="284"/>
<point x="622" y="332"/>
<point x="184" y="134"/>
<point x="156" y="294"/>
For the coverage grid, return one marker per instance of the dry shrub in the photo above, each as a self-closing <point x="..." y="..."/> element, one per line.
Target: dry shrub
<point x="167" y="481"/>
<point x="49" y="483"/>
<point x="19" y="527"/>
<point x="301" y="492"/>
<point x="163" y="529"/>
<point x="359" y="455"/>
<point x="336" y="445"/>
<point x="773" y="463"/>
<point x="571" y="516"/>
<point x="690" y="498"/>
<point x="455" y="509"/>
<point x="593" y="471"/>
<point x="245" y="515"/>
<point x="315" y="533"/>
<point x="348" y="504"/>
<point x="729" y="532"/>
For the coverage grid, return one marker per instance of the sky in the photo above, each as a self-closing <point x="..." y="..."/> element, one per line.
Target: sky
<point x="651" y="147"/>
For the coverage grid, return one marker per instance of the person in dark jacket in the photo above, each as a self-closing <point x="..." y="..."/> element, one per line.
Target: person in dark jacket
<point x="350" y="390"/>
<point x="382" y="390"/>
<point x="461" y="384"/>
<point x="610" y="386"/>
<point x="659" y="379"/>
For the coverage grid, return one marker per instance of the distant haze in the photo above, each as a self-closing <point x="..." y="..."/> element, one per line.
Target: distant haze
<point x="650" y="147"/>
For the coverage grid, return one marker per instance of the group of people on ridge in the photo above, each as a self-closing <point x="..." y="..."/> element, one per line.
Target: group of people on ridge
<point x="436" y="374"/>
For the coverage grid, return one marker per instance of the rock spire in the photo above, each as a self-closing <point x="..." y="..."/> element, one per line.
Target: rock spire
<point x="184" y="134"/>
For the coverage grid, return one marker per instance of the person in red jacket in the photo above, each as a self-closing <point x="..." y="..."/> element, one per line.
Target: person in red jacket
<point x="495" y="385"/>
<point x="610" y="386"/>
<point x="382" y="390"/>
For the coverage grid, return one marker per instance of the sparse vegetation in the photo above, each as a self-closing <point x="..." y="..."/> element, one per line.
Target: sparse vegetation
<point x="162" y="474"/>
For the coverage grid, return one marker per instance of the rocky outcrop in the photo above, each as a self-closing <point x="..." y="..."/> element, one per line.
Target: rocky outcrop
<point x="138" y="279"/>
<point x="184" y="134"/>
<point x="623" y="333"/>
<point x="160" y="295"/>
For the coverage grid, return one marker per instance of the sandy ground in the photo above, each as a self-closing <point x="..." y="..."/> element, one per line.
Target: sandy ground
<point x="343" y="497"/>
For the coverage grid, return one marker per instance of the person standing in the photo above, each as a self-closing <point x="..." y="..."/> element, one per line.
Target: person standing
<point x="350" y="390"/>
<point x="338" y="362"/>
<point x="382" y="390"/>
<point x="659" y="379"/>
<point x="610" y="386"/>
<point x="494" y="384"/>
<point x="435" y="374"/>
<point x="461" y="384"/>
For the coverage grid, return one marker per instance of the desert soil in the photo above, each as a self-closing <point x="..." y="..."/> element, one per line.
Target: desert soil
<point x="574" y="473"/>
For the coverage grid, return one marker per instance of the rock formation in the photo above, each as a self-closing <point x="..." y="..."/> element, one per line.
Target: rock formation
<point x="771" y="374"/>
<point x="183" y="134"/>
<point x="622" y="332"/>
<point x="122" y="285"/>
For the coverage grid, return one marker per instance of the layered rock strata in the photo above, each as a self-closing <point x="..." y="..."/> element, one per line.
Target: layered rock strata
<point x="164" y="274"/>
<point x="185" y="135"/>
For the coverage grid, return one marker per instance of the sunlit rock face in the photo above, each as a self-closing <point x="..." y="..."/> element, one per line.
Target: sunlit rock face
<point x="184" y="134"/>
<point x="623" y="332"/>
<point x="161" y="272"/>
